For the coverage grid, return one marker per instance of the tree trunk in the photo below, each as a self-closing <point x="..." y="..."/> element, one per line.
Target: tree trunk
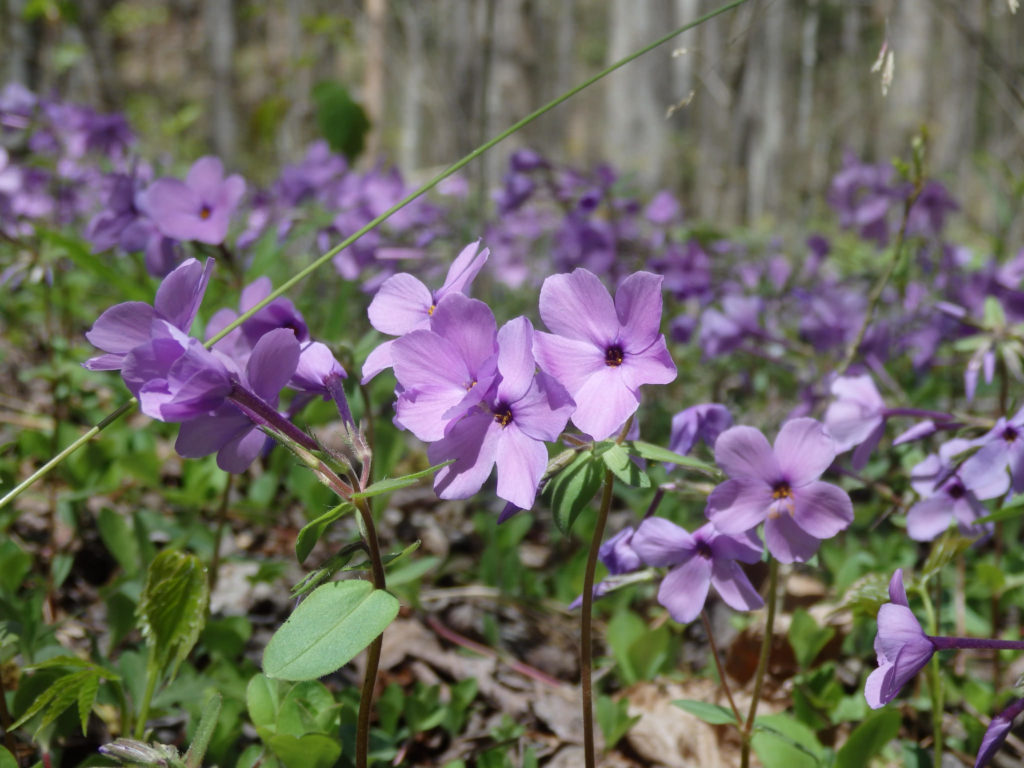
<point x="220" y="39"/>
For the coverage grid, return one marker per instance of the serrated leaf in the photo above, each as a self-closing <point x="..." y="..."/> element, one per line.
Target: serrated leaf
<point x="313" y="530"/>
<point x="944" y="550"/>
<point x="653" y="452"/>
<point x="172" y="609"/>
<point x="616" y="458"/>
<point x="86" y="698"/>
<point x="396" y="483"/>
<point x="328" y="629"/>
<point x="571" y="490"/>
<point x="61" y="694"/>
<point x="714" y="714"/>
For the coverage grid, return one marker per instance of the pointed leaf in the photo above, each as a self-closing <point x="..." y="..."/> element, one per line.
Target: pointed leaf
<point x="313" y="530"/>
<point x="571" y="490"/>
<point x="395" y="483"/>
<point x="869" y="738"/>
<point x="328" y="629"/>
<point x="653" y="452"/>
<point x="714" y="714"/>
<point x="172" y="610"/>
<point x="616" y="458"/>
<point x="86" y="698"/>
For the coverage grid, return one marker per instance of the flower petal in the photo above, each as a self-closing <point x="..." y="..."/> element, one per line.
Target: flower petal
<point x="179" y="295"/>
<point x="402" y="304"/>
<point x="685" y="589"/>
<point x="470" y="326"/>
<point x="570" y="361"/>
<point x="743" y="452"/>
<point x="787" y="541"/>
<point x="736" y="506"/>
<point x="272" y="363"/>
<point x="804" y="450"/>
<point x="822" y="509"/>
<point x="734" y="587"/>
<point x="660" y="542"/>
<point x="638" y="305"/>
<point x="929" y="517"/>
<point x="521" y="462"/>
<point x="463" y="270"/>
<point x="515" y="359"/>
<point x="472" y="442"/>
<point x="378" y="360"/>
<point x="603" y="404"/>
<point x="238" y="453"/>
<point x="543" y="411"/>
<point x="122" y="327"/>
<point x="654" y="365"/>
<point x="578" y="306"/>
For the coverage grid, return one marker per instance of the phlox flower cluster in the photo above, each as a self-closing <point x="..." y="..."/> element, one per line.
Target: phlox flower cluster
<point x="221" y="394"/>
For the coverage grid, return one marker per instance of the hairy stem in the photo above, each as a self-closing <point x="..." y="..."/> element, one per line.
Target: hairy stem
<point x="373" y="651"/>
<point x="586" y="623"/>
<point x="762" y="661"/>
<point x="152" y="675"/>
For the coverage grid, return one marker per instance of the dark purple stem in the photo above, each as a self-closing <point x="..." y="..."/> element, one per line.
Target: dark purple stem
<point x="263" y="414"/>
<point x="976" y="643"/>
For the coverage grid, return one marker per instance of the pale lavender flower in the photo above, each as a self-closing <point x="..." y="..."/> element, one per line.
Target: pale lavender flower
<point x="404" y="304"/>
<point x="1002" y="447"/>
<point x="722" y="331"/>
<point x="902" y="647"/>
<point x="697" y="561"/>
<point x="856" y="418"/>
<point x="705" y="421"/>
<point x="125" y="326"/>
<point x="198" y="208"/>
<point x="619" y="557"/>
<point x="602" y="352"/>
<point x="997" y="732"/>
<point x="508" y="429"/>
<point x="779" y="485"/>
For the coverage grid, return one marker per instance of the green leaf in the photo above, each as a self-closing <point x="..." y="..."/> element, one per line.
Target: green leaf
<point x="807" y="638"/>
<point x="313" y="530"/>
<point x="943" y="552"/>
<point x="62" y="693"/>
<point x="571" y="490"/>
<point x="714" y="714"/>
<point x="172" y="609"/>
<point x="204" y="732"/>
<point x="262" y="699"/>
<point x="396" y="483"/>
<point x="342" y="121"/>
<point x="613" y="719"/>
<point x="328" y="629"/>
<point x="313" y="750"/>
<point x="616" y="458"/>
<point x="869" y="738"/>
<point x="653" y="452"/>
<point x="783" y="742"/>
<point x="1011" y="509"/>
<point x="86" y="698"/>
<point x="15" y="565"/>
<point x="7" y="759"/>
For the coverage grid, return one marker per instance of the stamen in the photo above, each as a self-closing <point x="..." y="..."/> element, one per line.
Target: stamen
<point x="782" y="491"/>
<point x="503" y="415"/>
<point x="205" y="212"/>
<point x="613" y="356"/>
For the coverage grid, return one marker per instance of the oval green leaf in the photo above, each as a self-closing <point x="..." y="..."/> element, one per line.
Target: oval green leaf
<point x="328" y="629"/>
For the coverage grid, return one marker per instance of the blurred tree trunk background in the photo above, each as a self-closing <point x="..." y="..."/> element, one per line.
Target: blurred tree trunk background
<point x="746" y="118"/>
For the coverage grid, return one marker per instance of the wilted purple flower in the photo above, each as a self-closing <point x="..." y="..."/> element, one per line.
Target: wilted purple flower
<point x="229" y="432"/>
<point x="856" y="417"/>
<point x="949" y="494"/>
<point x="404" y="304"/>
<point x="445" y="371"/>
<point x="1002" y="447"/>
<point x="704" y="422"/>
<point x="602" y="352"/>
<point x="780" y="486"/>
<point x="198" y="208"/>
<point x="698" y="560"/>
<point x="125" y="326"/>
<point x="997" y="732"/>
<point x="902" y="647"/>
<point x="522" y="410"/>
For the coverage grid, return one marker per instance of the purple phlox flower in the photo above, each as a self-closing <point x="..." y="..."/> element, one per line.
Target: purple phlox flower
<point x="947" y="493"/>
<point x="316" y="369"/>
<point x="125" y="326"/>
<point x="856" y="418"/>
<point x="198" y="208"/>
<point x="619" y="557"/>
<point x="174" y="376"/>
<point x="902" y="647"/>
<point x="862" y="195"/>
<point x="404" y="304"/>
<point x="982" y="361"/>
<point x="663" y="209"/>
<point x="508" y="428"/>
<point x="779" y="485"/>
<point x="918" y="431"/>
<point x="830" y="315"/>
<point x="1001" y="450"/>
<point x="310" y="177"/>
<point x="722" y="331"/>
<point x="106" y="229"/>
<point x="279" y="313"/>
<point x="697" y="561"/>
<point x="229" y="432"/>
<point x="586" y="242"/>
<point x="686" y="269"/>
<point x="997" y="732"/>
<point x="705" y="421"/>
<point x="603" y="351"/>
<point x="445" y="371"/>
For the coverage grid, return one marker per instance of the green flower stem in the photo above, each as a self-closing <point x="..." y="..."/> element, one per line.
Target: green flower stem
<point x="290" y="283"/>
<point x="218" y="534"/>
<point x="762" y="661"/>
<point x="586" y="623"/>
<point x="369" y="532"/>
<point x="718" y="666"/>
<point x="934" y="675"/>
<point x="152" y="675"/>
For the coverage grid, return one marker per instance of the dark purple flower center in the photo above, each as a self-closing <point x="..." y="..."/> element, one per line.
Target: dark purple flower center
<point x="503" y="415"/>
<point x="613" y="356"/>
<point x="704" y="550"/>
<point x="956" y="490"/>
<point x="1010" y="434"/>
<point x="205" y="211"/>
<point x="781" y="490"/>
